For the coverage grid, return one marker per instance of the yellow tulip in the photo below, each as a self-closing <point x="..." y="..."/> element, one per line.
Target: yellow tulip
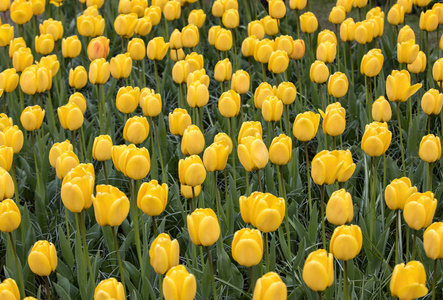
<point x="430" y="148"/>
<point x="230" y="18"/>
<point x="111" y="206"/>
<point x="8" y="80"/>
<point x="21" y="11"/>
<point x="419" y="65"/>
<point x="99" y="71"/>
<point x="270" y="25"/>
<point x="193" y="141"/>
<point x="197" y="17"/>
<point x="179" y="284"/>
<point x="347" y="30"/>
<point x="223" y="40"/>
<point x="229" y="104"/>
<point x="177" y="55"/>
<point x="396" y="15"/>
<point x="121" y="66"/>
<point x="286" y="92"/>
<point x="143" y="26"/>
<point x="10" y="216"/>
<point x="6" y="184"/>
<point x="327" y="167"/>
<point x="197" y="75"/>
<point x="397" y="192"/>
<point x="77" y="188"/>
<point x="340" y="209"/>
<point x="78" y="99"/>
<point x="270" y="286"/>
<point x="297" y="4"/>
<point x="326" y="52"/>
<point x="124" y="25"/>
<point x="50" y="62"/>
<point x="6" y="34"/>
<point x="70" y="116"/>
<point x="109" y="289"/>
<point x="371" y="63"/>
<point x="187" y="191"/>
<point x="65" y="162"/>
<point x="175" y="40"/>
<point x="407" y="5"/>
<point x="16" y="44"/>
<point x="203" y="227"/>
<point x="154" y="12"/>
<point x="240" y="82"/>
<point x="223" y="70"/>
<point x="299" y="50"/>
<point x="263" y="91"/>
<point x="337" y="15"/>
<point x="381" y="110"/>
<point x="58" y="149"/>
<point x="398" y="86"/>
<point x="431" y="102"/>
<point x="306" y="126"/>
<point x="338" y="84"/>
<point x="172" y="10"/>
<point x="419" y="210"/>
<point x="190" y="36"/>
<point x="35" y="79"/>
<point x="137" y="49"/>
<point x="127" y="99"/>
<point x="405" y="34"/>
<point x="364" y="32"/>
<point x="78" y="77"/>
<point x="346" y="242"/>
<point x="164" y="253"/>
<point x="157" y="48"/>
<point x="151" y="104"/>
<point x="8" y="288"/>
<point x="408" y="281"/>
<point x="152" y="198"/>
<point x="32" y="117"/>
<point x="44" y="44"/>
<point x="5" y="121"/>
<point x="133" y="162"/>
<point x="277" y="9"/>
<point x="42" y="258"/>
<point x="318" y="270"/>
<point x="52" y="27"/>
<point x="319" y="72"/>
<point x="198" y="94"/>
<point x="376" y="139"/>
<point x="216" y="156"/>
<point x="179" y="120"/>
<point x="263" y="210"/>
<point x="334" y="120"/>
<point x="308" y="22"/>
<point x="4" y="6"/>
<point x="437" y="71"/>
<point x="12" y="137"/>
<point x="428" y="20"/>
<point x="432" y="240"/>
<point x="101" y="149"/>
<point x="191" y="171"/>
<point x="247" y="247"/>
<point x="272" y="109"/>
<point x="285" y="43"/>
<point x="90" y="26"/>
<point x="136" y="130"/>
<point x="263" y="50"/>
<point x="278" y="61"/>
<point x="407" y="52"/>
<point x="256" y="29"/>
<point x="135" y="6"/>
<point x="252" y="153"/>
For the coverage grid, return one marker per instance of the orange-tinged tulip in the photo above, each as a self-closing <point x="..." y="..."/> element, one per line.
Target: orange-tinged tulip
<point x="98" y="48"/>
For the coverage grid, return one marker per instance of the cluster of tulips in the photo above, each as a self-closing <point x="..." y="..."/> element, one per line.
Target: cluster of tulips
<point x="109" y="147"/>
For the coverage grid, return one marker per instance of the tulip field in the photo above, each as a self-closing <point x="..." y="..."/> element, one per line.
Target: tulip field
<point x="226" y="149"/>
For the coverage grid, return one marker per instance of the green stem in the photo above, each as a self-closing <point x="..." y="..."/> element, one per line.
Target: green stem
<point x="288" y="233"/>
<point x="200" y="116"/>
<point x="117" y="250"/>
<point x="136" y="226"/>
<point x="345" y="277"/>
<point x="308" y="177"/>
<point x="156" y="75"/>
<point x="322" y="204"/>
<point x="247" y="182"/>
<point x="266" y="252"/>
<point x="397" y="224"/>
<point x="217" y="200"/>
<point x="434" y="279"/>
<point x="17" y="265"/>
<point x="85" y="246"/>
<point x="14" y="178"/>
<point x="214" y="290"/>
<point x="48" y="289"/>
<point x="430" y="176"/>
<point x="157" y="137"/>
<point x="104" y="171"/>
<point x="414" y="245"/>
<point x="259" y="181"/>
<point x="352" y="63"/>
<point x="401" y="139"/>
<point x="321" y="97"/>
<point x="372" y="228"/>
<point x="263" y="72"/>
<point x="193" y="207"/>
<point x="251" y="275"/>
<point x="99" y="109"/>
<point x="234" y="143"/>
<point x="154" y="225"/>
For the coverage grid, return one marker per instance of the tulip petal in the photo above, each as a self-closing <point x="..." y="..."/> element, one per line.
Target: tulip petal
<point x="248" y="253"/>
<point x="315" y="276"/>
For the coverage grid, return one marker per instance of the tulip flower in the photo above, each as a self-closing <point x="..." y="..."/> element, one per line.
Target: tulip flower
<point x="101" y="149"/>
<point x="398" y="86"/>
<point x="338" y="85"/>
<point x="252" y="153"/>
<point x="32" y="117"/>
<point x="77" y="188"/>
<point x="78" y="77"/>
<point x="121" y="66"/>
<point x="297" y="4"/>
<point x="8" y="80"/>
<point x="371" y="63"/>
<point x="308" y="22"/>
<point x="397" y="192"/>
<point x="111" y="206"/>
<point x="319" y="72"/>
<point x="12" y="137"/>
<point x="6" y="157"/>
<point x="408" y="281"/>
<point x="306" y="126"/>
<point x="364" y="32"/>
<point x="263" y="50"/>
<point x="230" y="18"/>
<point x="193" y="141"/>
<point x="405" y="34"/>
<point x="240" y="82"/>
<point x="340" y="209"/>
<point x="381" y="110"/>
<point x="137" y="49"/>
<point x="10" y="216"/>
<point x="4" y="5"/>
<point x="337" y="15"/>
<point x="264" y="211"/>
<point x="437" y="71"/>
<point x="430" y="148"/>
<point x="251" y="128"/>
<point x="90" y="26"/>
<point x="22" y="59"/>
<point x="407" y="52"/>
<point x="269" y="286"/>
<point x="223" y="40"/>
<point x="334" y="120"/>
<point x="247" y="247"/>
<point x="203" y="227"/>
<point x="152" y="198"/>
<point x="263" y="91"/>
<point x="9" y="289"/>
<point x="180" y="71"/>
<point x="124" y="25"/>
<point x="376" y="139"/>
<point x="326" y="52"/>
<point x="270" y="25"/>
<point x="6" y="34"/>
<point x="198" y="94"/>
<point x="134" y="162"/>
<point x="431" y="102"/>
<point x="224" y="138"/>
<point x="98" y="48"/>
<point x="65" y="162"/>
<point x="179" y="284"/>
<point x="197" y="75"/>
<point x="280" y="151"/>
<point x="6" y="184"/>
<point x="318" y="270"/>
<point x="21" y="11"/>
<point x="179" y="120"/>
<point x="58" y="149"/>
<point x="191" y="171"/>
<point x="136" y="130"/>
<point x="189" y="192"/>
<point x="256" y="29"/>
<point x="99" y="71"/>
<point x="229" y="104"/>
<point x="347" y="30"/>
<point x="157" y="48"/>
<point x="248" y="46"/>
<point x="151" y="104"/>
<point x="42" y="258"/>
<point x="52" y="27"/>
<point x="35" y="79"/>
<point x="190" y="36"/>
<point x="278" y="62"/>
<point x="432" y="239"/>
<point x="396" y="15"/>
<point x="172" y="10"/>
<point x="16" y="44"/>
<point x="419" y="65"/>
<point x="49" y="62"/>
<point x="197" y="17"/>
<point x="109" y="289"/>
<point x="419" y="210"/>
<point x="127" y="99"/>
<point x="428" y="20"/>
<point x="164" y="253"/>
<point x="346" y="242"/>
<point x="70" y="116"/>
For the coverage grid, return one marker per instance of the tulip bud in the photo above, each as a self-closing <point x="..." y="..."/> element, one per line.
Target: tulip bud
<point x="405" y="34"/>
<point x="364" y="32"/>
<point x="16" y="44"/>
<point x="10" y="217"/>
<point x="306" y="126"/>
<point x="432" y="102"/>
<point x="42" y="258"/>
<point x="223" y="40"/>
<point x="398" y="86"/>
<point x="428" y="20"/>
<point x="247" y="247"/>
<point x="8" y="80"/>
<point x="180" y="71"/>
<point x="272" y="109"/>
<point x="223" y="70"/>
<point x="111" y="206"/>
<point x="137" y="49"/>
<point x="172" y="10"/>
<point x="278" y="61"/>
<point x="99" y="71"/>
<point x="32" y="117"/>
<point x="230" y="18"/>
<point x="164" y="253"/>
<point x="299" y="50"/>
<point x="337" y="15"/>
<point x="77" y="188"/>
<point x="280" y="151"/>
<point x="251" y="128"/>
<point x="65" y="162"/>
<point x="70" y="116"/>
<point x="58" y="149"/>
<point x="229" y="104"/>
<point x="376" y="139"/>
<point x="308" y="22"/>
<point x="179" y="120"/>
<point x="347" y="30"/>
<point x="240" y="82"/>
<point x="78" y="77"/>
<point x="319" y="72"/>
<point x="371" y="63"/>
<point x="334" y="121"/>
<point x="101" y="149"/>
<point x="270" y="285"/>
<point x="277" y="9"/>
<point x="21" y="11"/>
<point x="419" y="210"/>
<point x="109" y="289"/>
<point x="338" y="85"/>
<point x="136" y="130"/>
<point x="44" y="44"/>
<point x="127" y="99"/>
<point x="432" y="239"/>
<point x="191" y="171"/>
<point x="346" y="242"/>
<point x="340" y="209"/>
<point x="151" y="104"/>
<point x="190" y="36"/>
<point x="179" y="279"/>
<point x="256" y="29"/>
<point x="381" y="110"/>
<point x="252" y="153"/>
<point x="152" y="198"/>
<point x="12" y="137"/>
<point x="430" y="148"/>
<point x="193" y="141"/>
<point x="318" y="271"/>
<point x="408" y="282"/>
<point x="157" y="48"/>
<point x="203" y="227"/>
<point x="198" y="94"/>
<point x="197" y="17"/>
<point x="396" y="15"/>
<point x="407" y="52"/>
<point x="397" y="192"/>
<point x="6" y="34"/>
<point x="216" y="156"/>
<point x="121" y="66"/>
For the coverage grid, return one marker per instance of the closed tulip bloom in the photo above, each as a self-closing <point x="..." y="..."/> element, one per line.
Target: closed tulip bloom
<point x="419" y="65"/>
<point x="231" y="18"/>
<point x="137" y="49"/>
<point x="101" y="149"/>
<point x="334" y="120"/>
<point x="172" y="10"/>
<point x="318" y="270"/>
<point x="203" y="227"/>
<point x="52" y="27"/>
<point x="419" y="210"/>
<point x="408" y="282"/>
<point x="57" y="149"/>
<point x="16" y="44"/>
<point x="378" y="25"/>
<point x="50" y="62"/>
<point x="42" y="258"/>
<point x="164" y="253"/>
<point x="270" y="286"/>
<point x="308" y="22"/>
<point x="157" y="48"/>
<point x="9" y="289"/>
<point x="35" y="79"/>
<point x="159" y="3"/>
<point x="12" y="137"/>
<point x="319" y="72"/>
<point x="250" y="128"/>
<point x="124" y="25"/>
<point x="223" y="40"/>
<point x="256" y="28"/>
<point x="430" y="148"/>
<point x="98" y="48"/>
<point x="154" y="13"/>
<point x="405" y="34"/>
<point x="397" y="192"/>
<point x="109" y="289"/>
<point x="127" y="99"/>
<point x="280" y="151"/>
<point x="177" y="55"/>
<point x="229" y="104"/>
<point x="328" y="166"/>
<point x="240" y="82"/>
<point x="337" y="15"/>
<point x="428" y="20"/>
<point x="297" y="4"/>
<point x="99" y="71"/>
<point x="44" y="44"/>
<point x="197" y="75"/>
<point x="111" y="206"/>
<point x="197" y="17"/>
<point x="247" y="247"/>
<point x="175" y="40"/>
<point x="285" y="43"/>
<point x="6" y="184"/>
<point x="186" y="191"/>
<point x="151" y="104"/>
<point x="136" y="130"/>
<point x="193" y="141"/>
<point x="376" y="139"/>
<point x="263" y="91"/>
<point x="195" y="61"/>
<point x="6" y="34"/>
<point x="90" y="26"/>
<point x="252" y="153"/>
<point x="179" y="284"/>
<point x="346" y="242"/>
<point x="372" y="63"/>
<point x="143" y="26"/>
<point x="97" y="3"/>
<point x="278" y="62"/>
<point x="263" y="50"/>
<point x="277" y="9"/>
<point x="5" y="121"/>
<point x="438" y="9"/>
<point x="121" y="66"/>
<point x="338" y="84"/>
<point x="4" y="5"/>
<point x="407" y="52"/>
<point x="152" y="198"/>
<point x="191" y="171"/>
<point x="326" y="35"/>
<point x="65" y="162"/>
<point x="431" y="102"/>
<point x="78" y="77"/>
<point x="270" y="25"/>
<point x="6" y="157"/>
<point x="70" y="116"/>
<point x="198" y="94"/>
<point x="306" y="126"/>
<point x="381" y="110"/>
<point x="272" y="109"/>
<point x="180" y="71"/>
<point x="10" y="217"/>
<point x="347" y="30"/>
<point x="407" y="5"/>
<point x="190" y="36"/>
<point x="286" y="92"/>
<point x="396" y="15"/>
<point x="364" y="32"/>
<point x="135" y="6"/>
<point x="179" y="120"/>
<point x="212" y="33"/>
<point x="432" y="240"/>
<point x="224" y="138"/>
<point x="32" y="117"/>
<point x="77" y="188"/>
<point x="8" y="80"/>
<point x="437" y="70"/>
<point x="398" y="86"/>
<point x="21" y="11"/>
<point x="223" y="70"/>
<point x="340" y="209"/>
<point x="216" y="156"/>
<point x="299" y="50"/>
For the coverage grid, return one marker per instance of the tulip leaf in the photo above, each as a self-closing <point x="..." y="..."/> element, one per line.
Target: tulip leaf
<point x="206" y="284"/>
<point x="61" y="292"/>
<point x="314" y="226"/>
<point x="66" y="247"/>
